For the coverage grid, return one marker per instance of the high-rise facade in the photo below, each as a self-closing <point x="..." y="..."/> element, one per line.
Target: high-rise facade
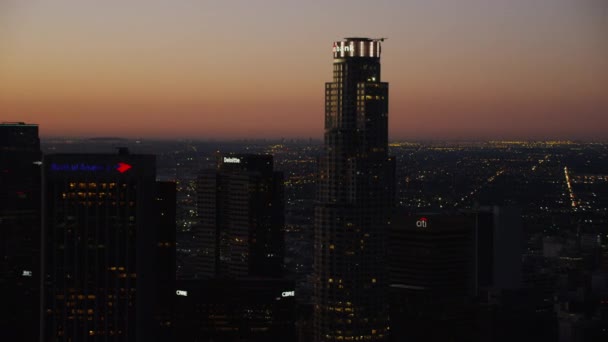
<point x="19" y="232"/>
<point x="236" y="291"/>
<point x="450" y="270"/>
<point x="241" y="211"/>
<point x="254" y="309"/>
<point x="432" y="277"/>
<point x="355" y="196"/>
<point x="499" y="247"/>
<point x="109" y="248"/>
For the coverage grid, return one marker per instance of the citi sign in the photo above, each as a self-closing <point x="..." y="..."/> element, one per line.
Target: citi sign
<point x="422" y="223"/>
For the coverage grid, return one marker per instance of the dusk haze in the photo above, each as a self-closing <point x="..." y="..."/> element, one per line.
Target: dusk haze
<point x="470" y="69"/>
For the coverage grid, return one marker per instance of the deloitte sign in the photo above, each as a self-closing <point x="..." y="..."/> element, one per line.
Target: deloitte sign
<point x="232" y="160"/>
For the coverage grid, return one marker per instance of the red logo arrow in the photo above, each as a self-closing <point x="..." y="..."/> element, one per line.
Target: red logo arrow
<point x="123" y="167"/>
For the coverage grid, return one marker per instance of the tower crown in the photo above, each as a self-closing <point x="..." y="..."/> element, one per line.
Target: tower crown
<point x="357" y="47"/>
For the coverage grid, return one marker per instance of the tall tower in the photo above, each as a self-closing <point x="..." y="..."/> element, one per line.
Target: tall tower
<point x="241" y="212"/>
<point x="236" y="291"/>
<point x="108" y="248"/>
<point x="355" y="196"/>
<point x="19" y="231"/>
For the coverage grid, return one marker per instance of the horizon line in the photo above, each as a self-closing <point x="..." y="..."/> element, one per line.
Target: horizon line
<point x="320" y="139"/>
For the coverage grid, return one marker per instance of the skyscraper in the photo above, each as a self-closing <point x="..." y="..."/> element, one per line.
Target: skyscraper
<point x="241" y="212"/>
<point x="432" y="273"/>
<point x="236" y="292"/>
<point x="253" y="309"/>
<point x="448" y="271"/>
<point x="499" y="247"/>
<point x="109" y="248"/>
<point x="19" y="232"/>
<point x="355" y="196"/>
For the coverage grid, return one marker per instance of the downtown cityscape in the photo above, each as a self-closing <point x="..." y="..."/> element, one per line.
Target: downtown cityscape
<point x="470" y="207"/>
<point x="560" y="189"/>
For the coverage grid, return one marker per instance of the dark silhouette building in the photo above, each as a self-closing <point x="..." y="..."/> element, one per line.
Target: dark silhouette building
<point x="499" y="248"/>
<point x="432" y="276"/>
<point x="237" y="291"/>
<point x="165" y="260"/>
<point x="225" y="309"/>
<point x="456" y="275"/>
<point x="355" y="196"/>
<point x="109" y="248"/>
<point x="241" y="211"/>
<point x="20" y="158"/>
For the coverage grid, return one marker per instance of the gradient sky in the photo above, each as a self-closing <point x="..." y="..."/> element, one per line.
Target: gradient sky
<point x="464" y="69"/>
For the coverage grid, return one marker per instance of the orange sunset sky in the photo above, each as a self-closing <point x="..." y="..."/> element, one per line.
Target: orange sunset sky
<point x="470" y="69"/>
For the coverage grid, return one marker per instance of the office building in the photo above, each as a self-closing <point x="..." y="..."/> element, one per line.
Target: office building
<point x="20" y="158"/>
<point x="228" y="309"/>
<point x="237" y="292"/>
<point x="165" y="254"/>
<point x="499" y="247"/>
<point x="449" y="271"/>
<point x="354" y="199"/>
<point x="109" y="248"/>
<point x="432" y="277"/>
<point x="241" y="211"/>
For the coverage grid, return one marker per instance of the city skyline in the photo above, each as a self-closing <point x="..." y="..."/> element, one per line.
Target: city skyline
<point x="472" y="70"/>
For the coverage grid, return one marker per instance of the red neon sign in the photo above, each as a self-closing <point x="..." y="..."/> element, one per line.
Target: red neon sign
<point x="123" y="167"/>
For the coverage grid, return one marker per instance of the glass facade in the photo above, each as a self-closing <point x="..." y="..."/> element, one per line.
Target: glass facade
<point x="355" y="196"/>
<point x="109" y="249"/>
<point x="241" y="212"/>
<point x="19" y="232"/>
